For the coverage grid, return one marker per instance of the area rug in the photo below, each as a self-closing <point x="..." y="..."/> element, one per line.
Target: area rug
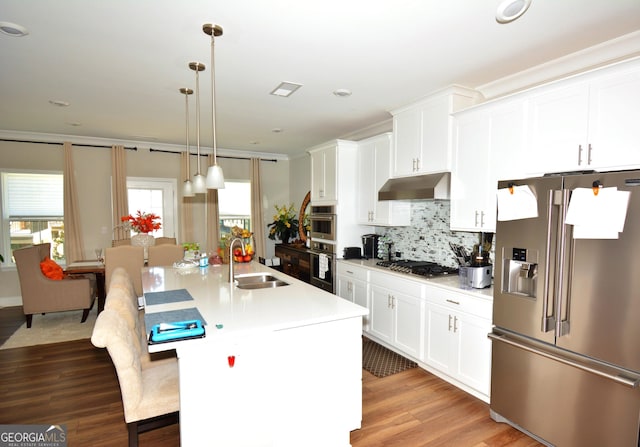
<point x="52" y="328"/>
<point x="382" y="362"/>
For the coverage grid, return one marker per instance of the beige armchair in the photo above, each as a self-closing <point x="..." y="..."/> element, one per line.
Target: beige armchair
<point x="41" y="294"/>
<point x="129" y="257"/>
<point x="165" y="254"/>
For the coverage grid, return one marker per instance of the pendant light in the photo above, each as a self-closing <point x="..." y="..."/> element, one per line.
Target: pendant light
<point x="187" y="186"/>
<point x="215" y="177"/>
<point x="199" y="181"/>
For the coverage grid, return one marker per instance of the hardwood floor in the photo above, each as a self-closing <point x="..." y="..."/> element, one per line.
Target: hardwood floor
<point x="74" y="383"/>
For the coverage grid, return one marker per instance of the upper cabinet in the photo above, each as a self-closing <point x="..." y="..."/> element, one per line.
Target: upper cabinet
<point x="423" y="132"/>
<point x="374" y="169"/>
<point x="324" y="175"/>
<point x="488" y="144"/>
<point x="586" y="122"/>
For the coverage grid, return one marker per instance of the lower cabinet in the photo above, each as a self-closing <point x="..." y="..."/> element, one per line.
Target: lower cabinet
<point x="395" y="312"/>
<point x="456" y="342"/>
<point x="351" y="284"/>
<point x="443" y="328"/>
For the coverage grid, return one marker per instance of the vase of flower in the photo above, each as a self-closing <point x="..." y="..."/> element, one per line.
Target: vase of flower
<point x="284" y="223"/>
<point x="142" y="224"/>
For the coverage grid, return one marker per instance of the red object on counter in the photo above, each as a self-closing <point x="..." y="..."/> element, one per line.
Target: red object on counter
<point x="232" y="361"/>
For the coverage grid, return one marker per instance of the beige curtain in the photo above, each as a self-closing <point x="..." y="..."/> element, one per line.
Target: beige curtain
<point x="120" y="203"/>
<point x="73" y="246"/>
<point x="213" y="216"/>
<point x="259" y="229"/>
<point x="186" y="217"/>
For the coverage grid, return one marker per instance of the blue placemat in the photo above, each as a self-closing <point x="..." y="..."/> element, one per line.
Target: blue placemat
<point x="171" y="316"/>
<point x="167" y="296"/>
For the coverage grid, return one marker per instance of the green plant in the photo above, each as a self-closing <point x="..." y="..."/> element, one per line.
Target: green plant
<point x="285" y="222"/>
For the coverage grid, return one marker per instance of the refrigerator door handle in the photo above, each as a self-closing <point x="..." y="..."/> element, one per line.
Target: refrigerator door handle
<point x="548" y="321"/>
<point x="562" y="295"/>
<point x="631" y="382"/>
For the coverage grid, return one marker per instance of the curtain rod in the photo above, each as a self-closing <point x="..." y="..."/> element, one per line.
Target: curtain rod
<point x="60" y="144"/>
<point x="219" y="156"/>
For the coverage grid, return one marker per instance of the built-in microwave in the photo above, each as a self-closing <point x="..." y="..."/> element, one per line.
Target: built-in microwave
<point x="323" y="221"/>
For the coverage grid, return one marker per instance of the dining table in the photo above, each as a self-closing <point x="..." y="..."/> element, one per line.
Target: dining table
<point x="90" y="266"/>
<point x="279" y="365"/>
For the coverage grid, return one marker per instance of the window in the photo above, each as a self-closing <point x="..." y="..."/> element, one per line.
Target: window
<point x="154" y="196"/>
<point x="234" y="205"/>
<point x="33" y="211"/>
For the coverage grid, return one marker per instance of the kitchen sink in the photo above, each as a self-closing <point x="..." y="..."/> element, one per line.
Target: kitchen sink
<point x="258" y="281"/>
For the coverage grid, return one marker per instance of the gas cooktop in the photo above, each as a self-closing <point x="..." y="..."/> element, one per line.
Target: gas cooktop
<point x="421" y="268"/>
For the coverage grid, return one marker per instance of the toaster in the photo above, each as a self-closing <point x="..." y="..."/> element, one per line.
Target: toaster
<point x="352" y="253"/>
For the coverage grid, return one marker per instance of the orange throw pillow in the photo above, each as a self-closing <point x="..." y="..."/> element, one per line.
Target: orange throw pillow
<point x="51" y="270"/>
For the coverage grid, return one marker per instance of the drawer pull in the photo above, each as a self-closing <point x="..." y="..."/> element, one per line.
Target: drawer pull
<point x="457" y="303"/>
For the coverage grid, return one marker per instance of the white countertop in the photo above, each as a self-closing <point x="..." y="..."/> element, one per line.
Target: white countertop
<point x="240" y="311"/>
<point x="450" y="282"/>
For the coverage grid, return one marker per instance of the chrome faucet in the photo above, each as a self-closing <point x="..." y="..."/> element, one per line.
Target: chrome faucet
<point x="231" y="255"/>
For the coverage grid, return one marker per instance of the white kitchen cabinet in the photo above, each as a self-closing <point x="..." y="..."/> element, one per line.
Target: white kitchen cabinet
<point x="352" y="285"/>
<point x="333" y="182"/>
<point x="586" y="122"/>
<point x="456" y="342"/>
<point x="374" y="169"/>
<point x="488" y="146"/>
<point x="423" y="132"/>
<point x="324" y="161"/>
<point x="395" y="312"/>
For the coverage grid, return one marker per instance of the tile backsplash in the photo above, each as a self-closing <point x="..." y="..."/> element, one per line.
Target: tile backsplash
<point x="428" y="236"/>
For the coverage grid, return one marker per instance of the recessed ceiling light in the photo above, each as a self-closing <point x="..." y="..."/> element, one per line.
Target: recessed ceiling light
<point x="342" y="93"/>
<point x="285" y="89"/>
<point x="13" y="29"/>
<point x="277" y="130"/>
<point x="59" y="103"/>
<point x="254" y="142"/>
<point x="510" y="10"/>
<point x="74" y="124"/>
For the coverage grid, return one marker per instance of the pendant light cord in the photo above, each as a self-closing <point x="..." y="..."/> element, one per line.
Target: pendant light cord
<point x="213" y="100"/>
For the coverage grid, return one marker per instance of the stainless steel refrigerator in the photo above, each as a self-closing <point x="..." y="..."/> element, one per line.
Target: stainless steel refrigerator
<point x="566" y="312"/>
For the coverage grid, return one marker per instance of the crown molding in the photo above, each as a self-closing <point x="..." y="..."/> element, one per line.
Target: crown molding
<point x="605" y="53"/>
<point x="76" y="139"/>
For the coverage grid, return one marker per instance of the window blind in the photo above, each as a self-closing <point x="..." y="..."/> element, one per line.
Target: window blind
<point x="34" y="196"/>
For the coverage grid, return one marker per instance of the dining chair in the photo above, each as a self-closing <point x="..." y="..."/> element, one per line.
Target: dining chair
<point x="164" y="255"/>
<point x="129" y="257"/>
<point x="166" y="240"/>
<point x="119" y="242"/>
<point x="150" y="395"/>
<point x="123" y="300"/>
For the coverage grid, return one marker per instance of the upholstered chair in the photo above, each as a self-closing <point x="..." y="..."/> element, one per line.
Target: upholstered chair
<point x="164" y="255"/>
<point x="123" y="300"/>
<point x="129" y="257"/>
<point x="165" y="240"/>
<point x="150" y="395"/>
<point x="41" y="294"/>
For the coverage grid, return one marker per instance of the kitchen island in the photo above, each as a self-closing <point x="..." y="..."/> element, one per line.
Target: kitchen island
<point x="278" y="366"/>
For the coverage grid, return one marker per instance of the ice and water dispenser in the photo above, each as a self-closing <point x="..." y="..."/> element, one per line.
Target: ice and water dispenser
<point x="520" y="271"/>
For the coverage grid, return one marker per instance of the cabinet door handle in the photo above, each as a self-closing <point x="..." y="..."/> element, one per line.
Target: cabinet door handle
<point x="457" y="303"/>
<point x="388" y="300"/>
<point x="455" y="324"/>
<point x="475" y="222"/>
<point x="393" y="302"/>
<point x="579" y="154"/>
<point x="481" y="218"/>
<point x="417" y="164"/>
<point x="449" y="322"/>
<point x="589" y="155"/>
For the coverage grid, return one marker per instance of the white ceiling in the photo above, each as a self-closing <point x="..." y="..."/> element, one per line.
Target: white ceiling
<point x="120" y="63"/>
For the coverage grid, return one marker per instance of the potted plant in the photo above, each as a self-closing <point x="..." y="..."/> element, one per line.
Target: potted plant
<point x="284" y="225"/>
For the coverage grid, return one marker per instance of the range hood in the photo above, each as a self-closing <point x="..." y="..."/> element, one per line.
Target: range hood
<point x="420" y="187"/>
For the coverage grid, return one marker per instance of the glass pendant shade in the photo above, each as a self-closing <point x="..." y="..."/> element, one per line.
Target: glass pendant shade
<point x="215" y="177"/>
<point x="199" y="184"/>
<point x="187" y="189"/>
